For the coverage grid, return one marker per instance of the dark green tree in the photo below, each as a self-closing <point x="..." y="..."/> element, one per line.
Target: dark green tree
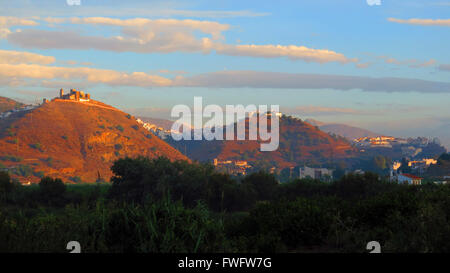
<point x="52" y="191"/>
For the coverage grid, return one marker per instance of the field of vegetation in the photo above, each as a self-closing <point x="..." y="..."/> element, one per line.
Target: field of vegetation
<point x="163" y="206"/>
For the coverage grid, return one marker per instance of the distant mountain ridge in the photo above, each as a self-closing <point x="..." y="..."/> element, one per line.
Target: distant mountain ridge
<point x="344" y="130"/>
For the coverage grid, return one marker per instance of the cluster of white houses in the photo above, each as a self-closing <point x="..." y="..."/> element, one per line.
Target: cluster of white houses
<point x="238" y="167"/>
<point x="23" y="108"/>
<point x="157" y="130"/>
<point x="379" y="141"/>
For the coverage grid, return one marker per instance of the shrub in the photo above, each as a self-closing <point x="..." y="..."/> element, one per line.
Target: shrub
<point x="76" y="179"/>
<point x="120" y="128"/>
<point x="36" y="146"/>
<point x="23" y="170"/>
<point x="49" y="161"/>
<point x="11" y="158"/>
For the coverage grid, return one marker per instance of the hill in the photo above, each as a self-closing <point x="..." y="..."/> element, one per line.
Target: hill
<point x="344" y="130"/>
<point x="442" y="168"/>
<point x="74" y="141"/>
<point x="7" y="104"/>
<point x="300" y="143"/>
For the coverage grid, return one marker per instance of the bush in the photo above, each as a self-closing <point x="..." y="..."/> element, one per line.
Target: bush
<point x="76" y="179"/>
<point x="120" y="128"/>
<point x="36" y="146"/>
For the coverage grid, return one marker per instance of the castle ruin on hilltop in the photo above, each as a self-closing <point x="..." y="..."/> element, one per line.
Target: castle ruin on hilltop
<point x="75" y="95"/>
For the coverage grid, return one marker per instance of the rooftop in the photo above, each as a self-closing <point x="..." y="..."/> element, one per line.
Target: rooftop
<point x="411" y="176"/>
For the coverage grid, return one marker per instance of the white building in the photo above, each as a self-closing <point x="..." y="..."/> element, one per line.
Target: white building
<point x="405" y="178"/>
<point x="315" y="173"/>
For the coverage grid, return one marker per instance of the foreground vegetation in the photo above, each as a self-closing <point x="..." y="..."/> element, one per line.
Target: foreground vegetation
<point x="162" y="206"/>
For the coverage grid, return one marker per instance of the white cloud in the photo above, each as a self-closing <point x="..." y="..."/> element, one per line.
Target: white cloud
<point x="413" y="63"/>
<point x="422" y="22"/>
<point x="18" y="57"/>
<point x="25" y="68"/>
<point x="91" y="75"/>
<point x="8" y="21"/>
<point x="19" y="74"/>
<point x="363" y="65"/>
<point x="143" y="25"/>
<point x="275" y="51"/>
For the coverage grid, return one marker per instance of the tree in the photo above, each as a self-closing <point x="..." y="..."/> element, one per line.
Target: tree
<point x="5" y="185"/>
<point x="265" y="184"/>
<point x="404" y="168"/>
<point x="52" y="190"/>
<point x="136" y="179"/>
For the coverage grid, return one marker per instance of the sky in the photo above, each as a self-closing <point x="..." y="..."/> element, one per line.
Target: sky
<point x="379" y="65"/>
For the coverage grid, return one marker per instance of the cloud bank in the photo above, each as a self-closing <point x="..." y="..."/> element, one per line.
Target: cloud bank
<point x="422" y="22"/>
<point x="257" y="79"/>
<point x="17" y="57"/>
<point x="16" y="68"/>
<point x="142" y="35"/>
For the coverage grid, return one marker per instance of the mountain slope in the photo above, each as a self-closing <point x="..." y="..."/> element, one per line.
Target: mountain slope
<point x="7" y="104"/>
<point x="346" y="131"/>
<point x="70" y="139"/>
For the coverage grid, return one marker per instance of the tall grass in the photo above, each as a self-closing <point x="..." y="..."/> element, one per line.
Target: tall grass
<point x="163" y="226"/>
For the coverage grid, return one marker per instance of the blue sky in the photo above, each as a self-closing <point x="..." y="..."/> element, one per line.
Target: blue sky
<point x="330" y="60"/>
